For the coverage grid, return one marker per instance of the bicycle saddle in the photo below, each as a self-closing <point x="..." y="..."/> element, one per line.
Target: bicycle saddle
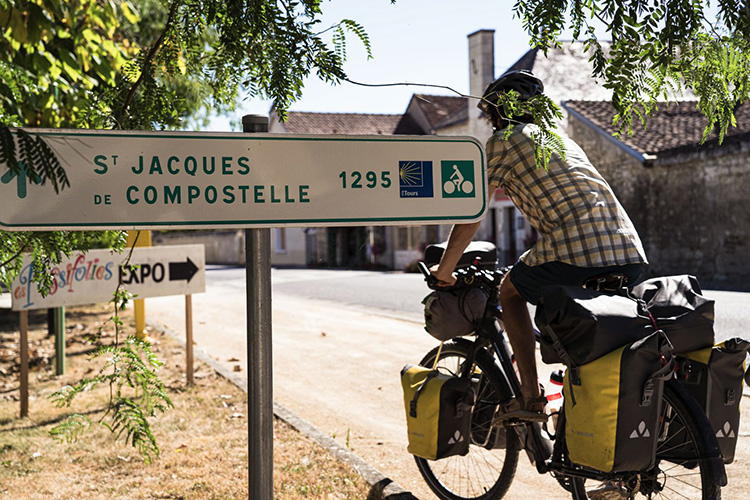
<point x="606" y="282"/>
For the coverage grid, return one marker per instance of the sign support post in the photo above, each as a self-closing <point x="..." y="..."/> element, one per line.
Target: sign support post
<point x="189" y="339"/>
<point x="59" y="323"/>
<point x="139" y="239"/>
<point x="24" y="373"/>
<point x="259" y="353"/>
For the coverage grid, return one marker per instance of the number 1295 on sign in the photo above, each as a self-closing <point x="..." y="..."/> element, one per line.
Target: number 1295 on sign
<point x="357" y="180"/>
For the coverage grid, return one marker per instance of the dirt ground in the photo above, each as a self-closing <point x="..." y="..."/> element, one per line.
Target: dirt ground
<point x="203" y="440"/>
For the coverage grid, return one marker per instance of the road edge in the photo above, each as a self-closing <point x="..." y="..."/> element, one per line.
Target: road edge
<point x="381" y="487"/>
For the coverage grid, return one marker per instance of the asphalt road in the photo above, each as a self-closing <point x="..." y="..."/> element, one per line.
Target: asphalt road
<point x="394" y="293"/>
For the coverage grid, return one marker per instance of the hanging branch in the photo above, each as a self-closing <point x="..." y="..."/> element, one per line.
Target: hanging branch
<point x="150" y="58"/>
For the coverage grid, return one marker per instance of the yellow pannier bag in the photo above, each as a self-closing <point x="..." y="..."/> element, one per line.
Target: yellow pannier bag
<point x="438" y="412"/>
<point x="613" y="404"/>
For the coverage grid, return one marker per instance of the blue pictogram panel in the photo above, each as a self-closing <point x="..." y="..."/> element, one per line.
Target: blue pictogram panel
<point x="415" y="179"/>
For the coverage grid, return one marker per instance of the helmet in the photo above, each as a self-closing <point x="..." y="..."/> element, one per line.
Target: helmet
<point x="522" y="81"/>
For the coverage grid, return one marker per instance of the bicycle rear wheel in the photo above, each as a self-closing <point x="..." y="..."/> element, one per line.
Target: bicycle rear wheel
<point x="486" y="472"/>
<point x="678" y="473"/>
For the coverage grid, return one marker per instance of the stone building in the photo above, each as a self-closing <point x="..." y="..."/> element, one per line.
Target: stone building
<point x="689" y="202"/>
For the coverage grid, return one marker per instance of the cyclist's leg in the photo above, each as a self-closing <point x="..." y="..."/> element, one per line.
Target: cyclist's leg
<point x="522" y="285"/>
<point x="521" y="335"/>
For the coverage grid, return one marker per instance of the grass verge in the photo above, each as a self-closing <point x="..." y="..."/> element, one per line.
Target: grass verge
<point x="203" y="440"/>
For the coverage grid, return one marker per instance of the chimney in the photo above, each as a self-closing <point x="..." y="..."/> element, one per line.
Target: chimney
<point x="481" y="67"/>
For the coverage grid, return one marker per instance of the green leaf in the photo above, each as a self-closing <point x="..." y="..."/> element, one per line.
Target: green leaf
<point x="129" y="12"/>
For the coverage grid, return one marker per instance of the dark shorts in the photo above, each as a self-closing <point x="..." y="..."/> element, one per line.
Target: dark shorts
<point x="530" y="280"/>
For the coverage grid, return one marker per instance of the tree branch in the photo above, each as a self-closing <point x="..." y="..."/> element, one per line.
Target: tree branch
<point x="150" y="57"/>
<point x="15" y="255"/>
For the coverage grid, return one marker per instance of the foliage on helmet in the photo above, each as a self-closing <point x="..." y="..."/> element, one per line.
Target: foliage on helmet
<point x="517" y="97"/>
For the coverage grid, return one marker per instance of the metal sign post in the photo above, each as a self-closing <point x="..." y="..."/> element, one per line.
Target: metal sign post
<point x="259" y="349"/>
<point x="24" y="373"/>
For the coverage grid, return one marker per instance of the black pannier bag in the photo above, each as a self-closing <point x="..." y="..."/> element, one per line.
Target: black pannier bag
<point x="680" y="311"/>
<point x="454" y="313"/>
<point x="714" y="377"/>
<point x="590" y="324"/>
<point x="485" y="251"/>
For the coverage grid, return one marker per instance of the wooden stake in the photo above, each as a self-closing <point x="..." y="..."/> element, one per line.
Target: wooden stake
<point x="24" y="344"/>
<point x="189" y="337"/>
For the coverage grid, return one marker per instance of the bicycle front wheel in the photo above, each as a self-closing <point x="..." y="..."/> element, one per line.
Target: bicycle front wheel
<point x="684" y="469"/>
<point x="486" y="472"/>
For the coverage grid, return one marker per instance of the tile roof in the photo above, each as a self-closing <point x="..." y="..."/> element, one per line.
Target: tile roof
<point x="442" y="110"/>
<point x="299" y="122"/>
<point x="439" y="111"/>
<point x="678" y="125"/>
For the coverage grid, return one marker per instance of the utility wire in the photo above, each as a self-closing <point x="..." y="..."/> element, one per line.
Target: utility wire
<point x="408" y="84"/>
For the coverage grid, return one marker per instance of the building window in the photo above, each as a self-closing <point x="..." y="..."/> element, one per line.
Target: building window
<point x="408" y="238"/>
<point x="280" y="240"/>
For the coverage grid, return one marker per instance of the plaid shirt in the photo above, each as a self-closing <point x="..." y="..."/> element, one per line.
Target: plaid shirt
<point x="575" y="212"/>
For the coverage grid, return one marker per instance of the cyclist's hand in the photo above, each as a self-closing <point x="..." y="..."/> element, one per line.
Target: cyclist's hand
<point x="444" y="279"/>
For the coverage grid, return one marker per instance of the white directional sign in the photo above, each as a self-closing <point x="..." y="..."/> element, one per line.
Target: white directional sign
<point x="92" y="277"/>
<point x="144" y="180"/>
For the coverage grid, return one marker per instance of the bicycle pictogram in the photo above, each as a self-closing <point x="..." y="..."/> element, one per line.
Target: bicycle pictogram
<point x="457" y="182"/>
<point x="458" y="179"/>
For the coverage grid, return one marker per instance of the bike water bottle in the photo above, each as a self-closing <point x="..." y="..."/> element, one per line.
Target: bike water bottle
<point x="554" y="395"/>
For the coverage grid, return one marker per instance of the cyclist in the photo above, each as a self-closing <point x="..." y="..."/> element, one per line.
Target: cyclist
<point x="583" y="230"/>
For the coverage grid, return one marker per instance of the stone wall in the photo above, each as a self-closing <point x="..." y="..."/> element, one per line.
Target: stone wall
<point x="227" y="247"/>
<point x="222" y="247"/>
<point x="691" y="208"/>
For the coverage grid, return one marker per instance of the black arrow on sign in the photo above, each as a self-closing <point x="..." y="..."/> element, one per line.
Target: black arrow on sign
<point x="182" y="270"/>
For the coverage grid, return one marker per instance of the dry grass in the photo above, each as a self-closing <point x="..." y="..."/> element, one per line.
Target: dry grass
<point x="203" y="440"/>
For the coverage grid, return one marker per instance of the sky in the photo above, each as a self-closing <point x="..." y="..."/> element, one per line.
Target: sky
<point x="414" y="41"/>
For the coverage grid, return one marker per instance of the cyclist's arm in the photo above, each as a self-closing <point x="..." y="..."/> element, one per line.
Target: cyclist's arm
<point x="460" y="237"/>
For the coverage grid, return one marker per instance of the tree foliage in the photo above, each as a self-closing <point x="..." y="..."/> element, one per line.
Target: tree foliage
<point x="658" y="49"/>
<point x="143" y="64"/>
